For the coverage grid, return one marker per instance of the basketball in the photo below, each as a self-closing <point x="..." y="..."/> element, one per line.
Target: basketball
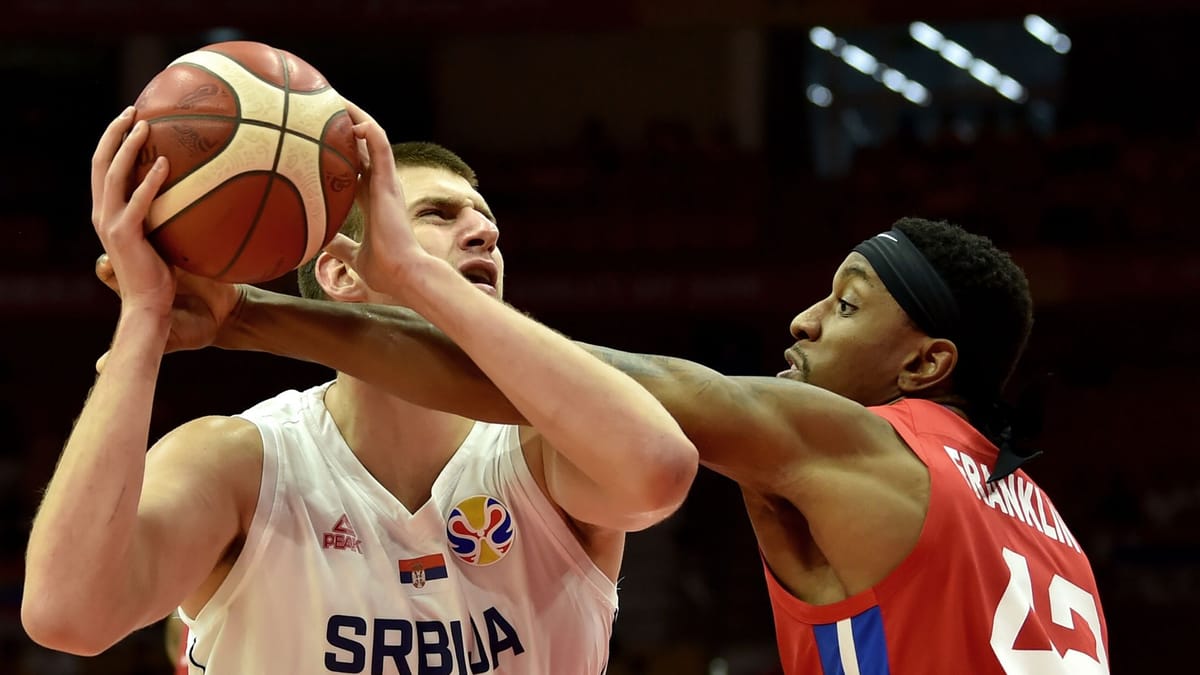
<point x="263" y="161"/>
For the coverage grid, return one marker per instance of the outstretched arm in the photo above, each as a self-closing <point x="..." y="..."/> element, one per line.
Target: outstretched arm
<point x="391" y="347"/>
<point x="752" y="429"/>
<point x="766" y="433"/>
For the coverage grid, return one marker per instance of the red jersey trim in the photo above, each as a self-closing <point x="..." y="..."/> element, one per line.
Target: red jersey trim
<point x="803" y="612"/>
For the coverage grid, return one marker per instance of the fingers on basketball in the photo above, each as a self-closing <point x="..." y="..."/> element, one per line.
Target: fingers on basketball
<point x="106" y="149"/>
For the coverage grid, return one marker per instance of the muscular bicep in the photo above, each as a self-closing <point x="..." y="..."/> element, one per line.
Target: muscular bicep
<point x="768" y="433"/>
<point x="746" y="431"/>
<point x="759" y="431"/>
<point x="199" y="492"/>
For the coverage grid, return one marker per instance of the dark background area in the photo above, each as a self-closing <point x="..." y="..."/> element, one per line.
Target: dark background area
<point x="664" y="182"/>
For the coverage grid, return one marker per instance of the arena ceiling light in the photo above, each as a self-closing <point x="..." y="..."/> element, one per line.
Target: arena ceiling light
<point x="962" y="57"/>
<point x="1047" y="33"/>
<point x="866" y="63"/>
<point x="819" y="95"/>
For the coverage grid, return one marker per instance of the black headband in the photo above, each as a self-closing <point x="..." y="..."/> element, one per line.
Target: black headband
<point x="912" y="281"/>
<point x="924" y="296"/>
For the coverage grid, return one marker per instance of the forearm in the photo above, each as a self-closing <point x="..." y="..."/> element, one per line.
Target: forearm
<point x="595" y="416"/>
<point x="393" y="348"/>
<point x="711" y="408"/>
<point x="678" y="384"/>
<point x="81" y="541"/>
<point x="755" y="430"/>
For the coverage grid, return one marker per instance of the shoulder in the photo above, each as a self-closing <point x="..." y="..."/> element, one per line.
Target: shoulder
<point x="808" y="425"/>
<point x="920" y="421"/>
<point x="212" y="440"/>
<point x="209" y="456"/>
<point x="817" y="411"/>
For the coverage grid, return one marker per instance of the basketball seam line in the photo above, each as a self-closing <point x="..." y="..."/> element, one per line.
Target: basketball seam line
<point x="238" y="102"/>
<point x="258" y="123"/>
<point x="156" y="232"/>
<point x="262" y="204"/>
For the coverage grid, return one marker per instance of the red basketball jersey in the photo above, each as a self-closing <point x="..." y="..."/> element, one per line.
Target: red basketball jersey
<point x="996" y="584"/>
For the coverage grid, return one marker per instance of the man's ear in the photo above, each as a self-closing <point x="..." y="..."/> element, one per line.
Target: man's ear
<point x="339" y="281"/>
<point x="930" y="367"/>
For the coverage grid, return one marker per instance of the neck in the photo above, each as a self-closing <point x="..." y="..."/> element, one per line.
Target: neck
<point x="953" y="403"/>
<point x="402" y="445"/>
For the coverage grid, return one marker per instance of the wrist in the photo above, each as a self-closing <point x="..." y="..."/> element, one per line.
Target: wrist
<point x="399" y="275"/>
<point x="234" y="330"/>
<point x="424" y="281"/>
<point x="145" y="315"/>
<point x="143" y="325"/>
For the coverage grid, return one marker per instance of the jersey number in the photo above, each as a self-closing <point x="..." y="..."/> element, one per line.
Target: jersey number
<point x="1016" y="606"/>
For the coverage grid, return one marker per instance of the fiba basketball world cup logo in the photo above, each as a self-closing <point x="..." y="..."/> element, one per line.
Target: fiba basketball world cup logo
<point x="481" y="530"/>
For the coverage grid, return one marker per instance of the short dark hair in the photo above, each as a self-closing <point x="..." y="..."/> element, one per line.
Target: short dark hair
<point x="409" y="154"/>
<point x="994" y="301"/>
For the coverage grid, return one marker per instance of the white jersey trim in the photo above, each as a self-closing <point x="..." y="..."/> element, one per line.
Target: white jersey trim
<point x="260" y="530"/>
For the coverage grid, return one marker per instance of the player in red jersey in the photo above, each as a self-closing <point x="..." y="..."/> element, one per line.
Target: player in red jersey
<point x="895" y="537"/>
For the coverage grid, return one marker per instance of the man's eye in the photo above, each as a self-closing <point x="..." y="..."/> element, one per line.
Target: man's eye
<point x="845" y="307"/>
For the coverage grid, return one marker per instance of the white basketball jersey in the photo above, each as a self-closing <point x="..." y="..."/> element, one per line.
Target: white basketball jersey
<point x="336" y="576"/>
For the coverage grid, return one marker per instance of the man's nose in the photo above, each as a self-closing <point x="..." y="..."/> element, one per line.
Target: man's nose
<point x="807" y="324"/>
<point x="478" y="232"/>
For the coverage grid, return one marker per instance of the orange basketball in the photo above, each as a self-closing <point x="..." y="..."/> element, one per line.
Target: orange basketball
<point x="263" y="161"/>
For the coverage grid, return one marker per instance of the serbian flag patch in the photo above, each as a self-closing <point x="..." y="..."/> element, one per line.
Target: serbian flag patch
<point x="419" y="571"/>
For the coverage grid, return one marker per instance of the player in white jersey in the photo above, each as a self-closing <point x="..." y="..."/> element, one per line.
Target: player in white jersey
<point x="340" y="530"/>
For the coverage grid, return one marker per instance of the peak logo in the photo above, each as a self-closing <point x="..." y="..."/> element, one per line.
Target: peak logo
<point x="342" y="537"/>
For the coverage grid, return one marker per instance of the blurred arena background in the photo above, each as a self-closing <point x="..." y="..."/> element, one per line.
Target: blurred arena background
<point x="683" y="177"/>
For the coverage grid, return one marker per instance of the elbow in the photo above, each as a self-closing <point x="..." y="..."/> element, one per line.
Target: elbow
<point x="675" y="474"/>
<point x="61" y="629"/>
<point x="665" y="483"/>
